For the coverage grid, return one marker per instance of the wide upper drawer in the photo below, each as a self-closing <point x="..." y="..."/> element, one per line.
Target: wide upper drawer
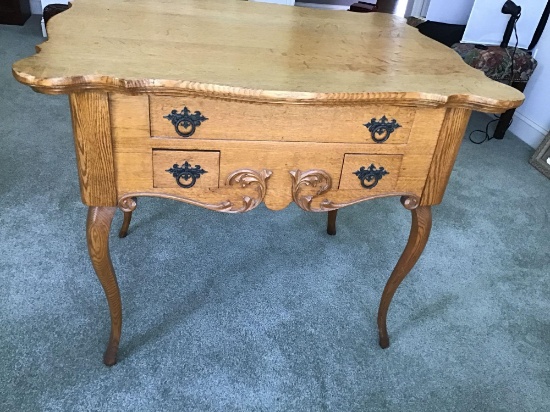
<point x="191" y="117"/>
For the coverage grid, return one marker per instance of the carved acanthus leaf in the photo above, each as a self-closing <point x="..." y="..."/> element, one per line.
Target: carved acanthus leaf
<point x="312" y="178"/>
<point x="243" y="178"/>
<point x="247" y="177"/>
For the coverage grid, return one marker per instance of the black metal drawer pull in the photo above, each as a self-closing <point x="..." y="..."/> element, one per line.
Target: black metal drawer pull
<point x="185" y="122"/>
<point x="380" y="130"/>
<point x="371" y="175"/>
<point x="186" y="172"/>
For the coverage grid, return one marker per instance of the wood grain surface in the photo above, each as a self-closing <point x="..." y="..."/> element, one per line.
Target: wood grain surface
<point x="94" y="148"/>
<point x="292" y="123"/>
<point x="254" y="52"/>
<point x="448" y="144"/>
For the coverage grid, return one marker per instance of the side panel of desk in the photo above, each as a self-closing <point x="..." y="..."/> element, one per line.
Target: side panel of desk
<point x="448" y="145"/>
<point x="94" y="148"/>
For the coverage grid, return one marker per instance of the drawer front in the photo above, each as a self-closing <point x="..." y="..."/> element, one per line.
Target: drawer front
<point x="186" y="169"/>
<point x="135" y="151"/>
<point x="199" y="118"/>
<point x="372" y="173"/>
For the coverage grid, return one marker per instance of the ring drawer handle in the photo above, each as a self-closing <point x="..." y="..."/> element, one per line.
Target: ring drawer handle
<point x="185" y="122"/>
<point x="186" y="172"/>
<point x="371" y="175"/>
<point x="380" y="130"/>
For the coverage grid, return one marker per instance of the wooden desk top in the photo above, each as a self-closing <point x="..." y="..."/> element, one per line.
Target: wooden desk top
<point x="254" y="52"/>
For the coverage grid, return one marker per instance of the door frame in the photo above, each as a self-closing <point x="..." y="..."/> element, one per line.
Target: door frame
<point x="417" y="8"/>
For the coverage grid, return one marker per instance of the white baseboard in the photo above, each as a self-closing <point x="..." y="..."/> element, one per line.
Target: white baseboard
<point x="43" y="25"/>
<point x="527" y="130"/>
<point x="321" y="6"/>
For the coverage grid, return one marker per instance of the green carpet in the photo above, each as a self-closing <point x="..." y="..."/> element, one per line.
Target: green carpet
<point x="264" y="311"/>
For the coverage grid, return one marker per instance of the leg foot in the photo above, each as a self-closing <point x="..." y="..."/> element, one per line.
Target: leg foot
<point x="420" y="231"/>
<point x="503" y="124"/>
<point x="384" y="342"/>
<point x="331" y="222"/>
<point x="109" y="356"/>
<point x="126" y="223"/>
<point x="98" y="226"/>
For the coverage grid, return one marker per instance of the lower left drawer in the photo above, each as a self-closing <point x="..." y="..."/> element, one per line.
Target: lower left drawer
<point x="186" y="169"/>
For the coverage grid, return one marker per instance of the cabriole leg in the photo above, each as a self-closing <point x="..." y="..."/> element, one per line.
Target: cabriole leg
<point x="420" y="231"/>
<point x="97" y="232"/>
<point x="126" y="222"/>
<point x="331" y="222"/>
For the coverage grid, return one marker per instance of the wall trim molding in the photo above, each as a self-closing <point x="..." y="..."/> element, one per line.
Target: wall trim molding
<point x="527" y="130"/>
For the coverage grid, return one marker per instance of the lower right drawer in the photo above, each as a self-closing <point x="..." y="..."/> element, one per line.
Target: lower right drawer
<point x="372" y="173"/>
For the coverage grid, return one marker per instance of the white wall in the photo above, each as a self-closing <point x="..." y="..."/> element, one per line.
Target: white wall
<point x="36" y="7"/>
<point x="452" y="12"/>
<point x="417" y="8"/>
<point x="487" y="24"/>
<point x="532" y="119"/>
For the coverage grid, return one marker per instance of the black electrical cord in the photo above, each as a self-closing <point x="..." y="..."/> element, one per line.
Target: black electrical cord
<point x="515" y="49"/>
<point x="540" y="27"/>
<point x="485" y="133"/>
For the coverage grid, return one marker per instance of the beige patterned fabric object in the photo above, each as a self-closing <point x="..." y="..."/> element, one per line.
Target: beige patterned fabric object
<point x="497" y="62"/>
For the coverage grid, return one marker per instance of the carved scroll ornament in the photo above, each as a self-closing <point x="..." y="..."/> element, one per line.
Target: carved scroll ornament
<point x="243" y="178"/>
<point x="312" y="178"/>
<point x="322" y="180"/>
<point x="247" y="177"/>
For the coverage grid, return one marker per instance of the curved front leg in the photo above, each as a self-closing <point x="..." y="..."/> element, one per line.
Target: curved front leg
<point x="420" y="231"/>
<point x="125" y="225"/>
<point x="331" y="222"/>
<point x="98" y="226"/>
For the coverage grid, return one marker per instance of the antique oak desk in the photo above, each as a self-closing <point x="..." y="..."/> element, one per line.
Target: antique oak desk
<point x="225" y="104"/>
